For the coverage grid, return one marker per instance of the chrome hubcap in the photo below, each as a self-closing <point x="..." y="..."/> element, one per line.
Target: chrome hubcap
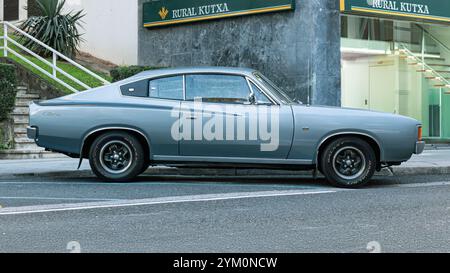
<point x="349" y="163"/>
<point x="116" y="157"/>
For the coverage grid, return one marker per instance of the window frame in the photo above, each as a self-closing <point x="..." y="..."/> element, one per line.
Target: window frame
<point x="248" y="79"/>
<point x="220" y="74"/>
<point x="167" y="77"/>
<point x="250" y="82"/>
<point x="148" y="87"/>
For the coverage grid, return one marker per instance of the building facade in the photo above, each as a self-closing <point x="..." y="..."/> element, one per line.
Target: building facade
<point x="13" y="10"/>
<point x="110" y="29"/>
<point x="396" y="59"/>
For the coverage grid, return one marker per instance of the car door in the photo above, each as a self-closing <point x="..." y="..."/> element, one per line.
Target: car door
<point x="159" y="100"/>
<point x="224" y="117"/>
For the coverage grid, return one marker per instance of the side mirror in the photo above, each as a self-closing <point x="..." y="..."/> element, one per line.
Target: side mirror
<point x="252" y="98"/>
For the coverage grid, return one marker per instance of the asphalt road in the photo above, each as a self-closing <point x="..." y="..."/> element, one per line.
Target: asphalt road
<point x="155" y="214"/>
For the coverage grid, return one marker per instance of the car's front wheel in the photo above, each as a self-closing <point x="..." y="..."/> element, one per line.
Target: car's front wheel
<point x="348" y="162"/>
<point x="117" y="156"/>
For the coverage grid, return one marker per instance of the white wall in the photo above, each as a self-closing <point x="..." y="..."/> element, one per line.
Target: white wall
<point x="22" y="11"/>
<point x="110" y="29"/>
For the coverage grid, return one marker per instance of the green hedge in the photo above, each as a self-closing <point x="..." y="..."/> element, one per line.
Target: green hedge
<point x="123" y="72"/>
<point x="8" y="72"/>
<point x="7" y="90"/>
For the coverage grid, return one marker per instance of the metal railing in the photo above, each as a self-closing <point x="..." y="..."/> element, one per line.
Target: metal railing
<point x="425" y="67"/>
<point x="432" y="37"/>
<point x="53" y="65"/>
<point x="428" y="69"/>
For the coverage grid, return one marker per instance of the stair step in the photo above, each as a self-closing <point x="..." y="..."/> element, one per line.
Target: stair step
<point x="23" y="102"/>
<point x="28" y="154"/>
<point x="436" y="59"/>
<point x="21" y="119"/>
<point x="434" y="78"/>
<point x="25" y="146"/>
<point x="21" y="110"/>
<point x="443" y="71"/>
<point x="28" y="96"/>
<point x="20" y="129"/>
<point x="20" y="135"/>
<point x="442" y="65"/>
<point x="23" y="140"/>
<point x="21" y="92"/>
<point x="21" y="88"/>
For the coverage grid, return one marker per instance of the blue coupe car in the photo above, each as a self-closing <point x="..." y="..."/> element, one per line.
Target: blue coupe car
<point x="218" y="116"/>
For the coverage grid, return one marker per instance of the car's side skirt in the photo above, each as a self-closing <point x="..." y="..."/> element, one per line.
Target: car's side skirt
<point x="232" y="160"/>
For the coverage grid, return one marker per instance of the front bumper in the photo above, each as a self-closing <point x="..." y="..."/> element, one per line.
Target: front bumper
<point x="420" y="147"/>
<point x="32" y="133"/>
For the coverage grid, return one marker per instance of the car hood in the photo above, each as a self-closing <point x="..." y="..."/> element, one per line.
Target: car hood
<point x="352" y="112"/>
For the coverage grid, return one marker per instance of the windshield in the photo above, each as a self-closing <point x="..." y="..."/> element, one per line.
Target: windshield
<point x="273" y="88"/>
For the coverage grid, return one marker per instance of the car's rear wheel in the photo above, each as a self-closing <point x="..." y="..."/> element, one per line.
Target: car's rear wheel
<point x="117" y="156"/>
<point x="348" y="162"/>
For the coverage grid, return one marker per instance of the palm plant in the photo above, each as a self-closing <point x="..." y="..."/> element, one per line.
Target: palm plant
<point x="57" y="30"/>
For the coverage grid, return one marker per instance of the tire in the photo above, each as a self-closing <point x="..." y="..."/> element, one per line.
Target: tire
<point x="145" y="166"/>
<point x="348" y="162"/>
<point x="117" y="157"/>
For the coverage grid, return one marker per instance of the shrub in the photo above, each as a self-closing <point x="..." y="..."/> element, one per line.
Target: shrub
<point x="123" y="72"/>
<point x="55" y="29"/>
<point x="8" y="73"/>
<point x="7" y="90"/>
<point x="33" y="8"/>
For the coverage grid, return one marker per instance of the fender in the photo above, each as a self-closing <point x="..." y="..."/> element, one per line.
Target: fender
<point x="108" y="128"/>
<point x="316" y="159"/>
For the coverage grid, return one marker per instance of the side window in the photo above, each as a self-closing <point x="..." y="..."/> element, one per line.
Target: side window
<point x="167" y="88"/>
<point x="135" y="89"/>
<point x="261" y="98"/>
<point x="217" y="88"/>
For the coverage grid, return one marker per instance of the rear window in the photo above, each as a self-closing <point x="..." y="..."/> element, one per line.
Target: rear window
<point x="167" y="88"/>
<point x="162" y="88"/>
<point x="136" y="89"/>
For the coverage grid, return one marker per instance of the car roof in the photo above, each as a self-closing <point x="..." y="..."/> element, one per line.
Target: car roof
<point x="199" y="69"/>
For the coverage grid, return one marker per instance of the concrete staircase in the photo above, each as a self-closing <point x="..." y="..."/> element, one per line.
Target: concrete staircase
<point x="24" y="148"/>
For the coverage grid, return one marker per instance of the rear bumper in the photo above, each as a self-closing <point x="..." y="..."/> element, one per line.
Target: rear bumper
<point x="32" y="133"/>
<point x="420" y="147"/>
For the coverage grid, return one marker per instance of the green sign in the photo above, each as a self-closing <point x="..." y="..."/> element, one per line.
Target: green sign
<point x="435" y="10"/>
<point x="167" y="12"/>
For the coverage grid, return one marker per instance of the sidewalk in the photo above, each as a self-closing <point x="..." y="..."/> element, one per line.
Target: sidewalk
<point x="429" y="163"/>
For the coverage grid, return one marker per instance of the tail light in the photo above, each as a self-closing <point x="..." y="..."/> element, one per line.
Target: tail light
<point x="419" y="133"/>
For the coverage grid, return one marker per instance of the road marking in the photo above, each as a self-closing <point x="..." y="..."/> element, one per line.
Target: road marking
<point x="155" y="201"/>
<point x="57" y="198"/>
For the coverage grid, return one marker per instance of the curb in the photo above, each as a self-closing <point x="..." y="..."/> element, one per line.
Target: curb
<point x="432" y="170"/>
<point x="253" y="173"/>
